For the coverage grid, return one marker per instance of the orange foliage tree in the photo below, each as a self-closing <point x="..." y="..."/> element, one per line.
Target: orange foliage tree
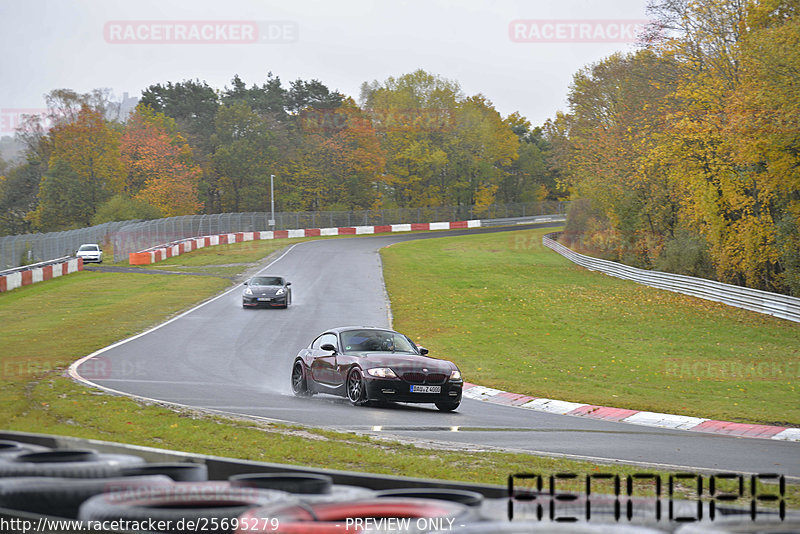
<point x="159" y="165"/>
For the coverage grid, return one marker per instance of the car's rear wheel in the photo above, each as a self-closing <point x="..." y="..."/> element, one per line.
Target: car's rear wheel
<point x="356" y="390"/>
<point x="299" y="383"/>
<point x="447" y="406"/>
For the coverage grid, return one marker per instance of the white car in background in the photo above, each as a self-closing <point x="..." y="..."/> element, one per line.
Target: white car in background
<point x="90" y="252"/>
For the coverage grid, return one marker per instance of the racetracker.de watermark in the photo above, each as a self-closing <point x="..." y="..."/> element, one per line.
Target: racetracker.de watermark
<point x="395" y="120"/>
<point x="201" y="31"/>
<point x="575" y="31"/>
<point x="11" y="118"/>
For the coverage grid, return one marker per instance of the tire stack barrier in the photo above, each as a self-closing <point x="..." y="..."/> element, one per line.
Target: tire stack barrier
<point x="466" y="497"/>
<point x="66" y="463"/>
<point x="41" y="483"/>
<point x="179" y="472"/>
<point x="181" y="506"/>
<point x="398" y="515"/>
<point x="10" y="448"/>
<point x="63" y="497"/>
<point x="309" y="487"/>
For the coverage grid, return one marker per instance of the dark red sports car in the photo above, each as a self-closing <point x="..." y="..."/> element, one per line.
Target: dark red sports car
<point x="375" y="364"/>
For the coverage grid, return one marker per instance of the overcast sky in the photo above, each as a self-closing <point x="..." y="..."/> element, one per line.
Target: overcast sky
<point x="85" y="44"/>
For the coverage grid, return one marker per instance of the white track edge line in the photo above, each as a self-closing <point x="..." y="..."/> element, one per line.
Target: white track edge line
<point x="73" y="368"/>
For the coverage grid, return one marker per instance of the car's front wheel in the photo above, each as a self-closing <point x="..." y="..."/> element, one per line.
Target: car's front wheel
<point x="356" y="390"/>
<point x="447" y="406"/>
<point x="299" y="383"/>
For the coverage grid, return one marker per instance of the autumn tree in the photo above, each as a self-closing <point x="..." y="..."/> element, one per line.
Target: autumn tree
<point x="413" y="114"/>
<point x="343" y="153"/>
<point x="480" y="150"/>
<point x="121" y="207"/>
<point x="268" y="99"/>
<point x="244" y="157"/>
<point x="728" y="127"/>
<point x="62" y="202"/>
<point x="84" y="170"/>
<point x="19" y="187"/>
<point x="763" y="134"/>
<point x="688" y="147"/>
<point x="311" y="94"/>
<point x="617" y="109"/>
<point x="193" y="104"/>
<point x="159" y="165"/>
<point x="528" y="178"/>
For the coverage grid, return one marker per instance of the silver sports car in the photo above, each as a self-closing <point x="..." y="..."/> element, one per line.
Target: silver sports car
<point x="267" y="291"/>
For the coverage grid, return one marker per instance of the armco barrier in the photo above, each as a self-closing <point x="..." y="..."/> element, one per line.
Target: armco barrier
<point x="152" y="255"/>
<point x="782" y="306"/>
<point x="39" y="272"/>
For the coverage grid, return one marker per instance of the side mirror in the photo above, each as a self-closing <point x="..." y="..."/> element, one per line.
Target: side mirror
<point x="245" y="282"/>
<point x="288" y="283"/>
<point x="328" y="346"/>
<point x="423" y="351"/>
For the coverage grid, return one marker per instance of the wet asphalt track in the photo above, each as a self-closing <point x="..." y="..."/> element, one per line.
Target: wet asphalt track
<point x="225" y="358"/>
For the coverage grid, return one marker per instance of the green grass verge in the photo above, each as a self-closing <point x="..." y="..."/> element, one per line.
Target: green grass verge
<point x="48" y="326"/>
<point x="516" y="316"/>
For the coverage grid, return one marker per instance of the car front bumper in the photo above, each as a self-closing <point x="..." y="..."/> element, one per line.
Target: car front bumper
<point x="400" y="391"/>
<point x="264" y="302"/>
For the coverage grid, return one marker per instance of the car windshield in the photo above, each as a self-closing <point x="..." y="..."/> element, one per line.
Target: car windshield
<point x="376" y="341"/>
<point x="88" y="248"/>
<point x="267" y="281"/>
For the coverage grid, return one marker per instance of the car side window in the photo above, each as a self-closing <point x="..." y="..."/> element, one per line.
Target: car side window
<point x="323" y="339"/>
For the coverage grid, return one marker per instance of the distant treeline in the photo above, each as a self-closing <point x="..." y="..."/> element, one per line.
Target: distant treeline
<point x="413" y="141"/>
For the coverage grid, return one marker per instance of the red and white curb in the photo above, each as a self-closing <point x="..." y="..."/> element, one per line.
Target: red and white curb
<point x="661" y="420"/>
<point x="162" y="252"/>
<point x="39" y="273"/>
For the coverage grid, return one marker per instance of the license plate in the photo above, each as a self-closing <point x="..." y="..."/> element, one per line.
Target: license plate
<point x="426" y="389"/>
<point x="264" y="300"/>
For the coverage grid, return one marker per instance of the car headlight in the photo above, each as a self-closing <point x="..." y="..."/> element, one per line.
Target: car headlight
<point x="248" y="292"/>
<point x="281" y="291"/>
<point x="455" y="375"/>
<point x="381" y="372"/>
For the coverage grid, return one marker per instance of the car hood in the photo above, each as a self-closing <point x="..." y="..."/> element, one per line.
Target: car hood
<point x="402" y="363"/>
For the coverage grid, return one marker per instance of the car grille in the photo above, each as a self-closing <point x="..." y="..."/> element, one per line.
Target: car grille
<point x="422" y="378"/>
